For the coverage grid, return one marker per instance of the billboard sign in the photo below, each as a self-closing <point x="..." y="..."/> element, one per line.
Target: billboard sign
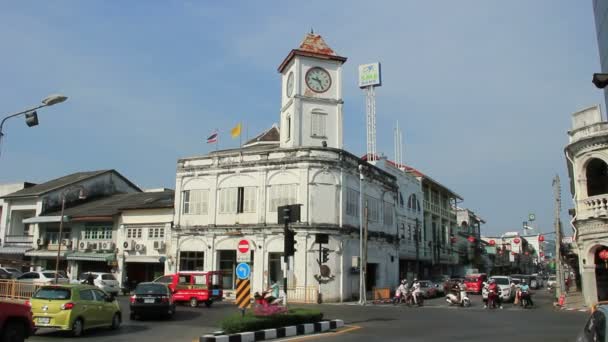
<point x="369" y="75"/>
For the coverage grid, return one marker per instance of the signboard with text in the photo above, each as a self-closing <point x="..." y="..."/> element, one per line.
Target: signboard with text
<point x="369" y="75"/>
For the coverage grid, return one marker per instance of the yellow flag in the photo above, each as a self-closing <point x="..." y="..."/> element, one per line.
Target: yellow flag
<point x="236" y="131"/>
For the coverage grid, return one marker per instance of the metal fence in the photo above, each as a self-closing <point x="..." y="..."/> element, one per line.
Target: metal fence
<point x="12" y="289"/>
<point x="302" y="294"/>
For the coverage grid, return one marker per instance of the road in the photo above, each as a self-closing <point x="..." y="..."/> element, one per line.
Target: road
<point x="433" y="322"/>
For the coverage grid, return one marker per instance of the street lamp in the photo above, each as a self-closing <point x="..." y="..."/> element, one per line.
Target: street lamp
<point x="31" y="115"/>
<point x="81" y="195"/>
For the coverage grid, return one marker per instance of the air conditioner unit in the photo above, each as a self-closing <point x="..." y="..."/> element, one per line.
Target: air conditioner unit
<point x="159" y="244"/>
<point x="40" y="242"/>
<point x="101" y="246"/>
<point x="91" y="245"/>
<point x="83" y="245"/>
<point x="132" y="245"/>
<point x="67" y="243"/>
<point x="111" y="246"/>
<point x="140" y="247"/>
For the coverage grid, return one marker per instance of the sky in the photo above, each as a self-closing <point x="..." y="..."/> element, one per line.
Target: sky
<point x="483" y="90"/>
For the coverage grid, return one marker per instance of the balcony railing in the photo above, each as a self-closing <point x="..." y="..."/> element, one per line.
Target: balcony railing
<point x="594" y="206"/>
<point x="439" y="211"/>
<point x="18" y="240"/>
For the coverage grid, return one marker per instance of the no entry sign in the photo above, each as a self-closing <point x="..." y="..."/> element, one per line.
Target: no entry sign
<point x="243" y="246"/>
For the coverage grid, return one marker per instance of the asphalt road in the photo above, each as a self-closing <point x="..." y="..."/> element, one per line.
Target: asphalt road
<point x="433" y="322"/>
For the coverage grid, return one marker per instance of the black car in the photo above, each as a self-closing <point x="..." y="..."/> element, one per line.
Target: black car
<point x="151" y="299"/>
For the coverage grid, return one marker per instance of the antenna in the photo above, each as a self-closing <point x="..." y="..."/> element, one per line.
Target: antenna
<point x="398" y="145"/>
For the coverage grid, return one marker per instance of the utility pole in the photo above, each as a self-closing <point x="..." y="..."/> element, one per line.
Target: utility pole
<point x="558" y="237"/>
<point x="417" y="236"/>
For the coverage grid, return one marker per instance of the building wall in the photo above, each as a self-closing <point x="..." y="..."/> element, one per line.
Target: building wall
<point x="600" y="11"/>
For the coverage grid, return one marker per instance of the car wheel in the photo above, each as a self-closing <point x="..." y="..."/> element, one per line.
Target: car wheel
<point x="77" y="328"/>
<point x="193" y="302"/>
<point x="13" y="332"/>
<point x="116" y="321"/>
<point x="208" y="303"/>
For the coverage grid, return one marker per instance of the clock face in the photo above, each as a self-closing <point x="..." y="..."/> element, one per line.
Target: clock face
<point x="318" y="80"/>
<point x="289" y="89"/>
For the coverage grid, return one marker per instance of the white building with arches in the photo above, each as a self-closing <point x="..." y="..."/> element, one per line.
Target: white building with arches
<point x="587" y="159"/>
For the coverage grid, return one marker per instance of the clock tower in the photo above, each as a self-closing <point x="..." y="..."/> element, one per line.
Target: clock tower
<point x="311" y="95"/>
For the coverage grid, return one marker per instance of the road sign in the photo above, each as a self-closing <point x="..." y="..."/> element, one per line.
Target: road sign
<point x="243" y="271"/>
<point x="243" y="246"/>
<point x="243" y="257"/>
<point x="243" y="293"/>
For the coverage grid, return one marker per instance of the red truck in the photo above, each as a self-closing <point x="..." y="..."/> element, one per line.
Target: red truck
<point x="16" y="323"/>
<point x="194" y="287"/>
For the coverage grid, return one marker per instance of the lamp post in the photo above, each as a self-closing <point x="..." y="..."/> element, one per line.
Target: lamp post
<point x="81" y="195"/>
<point x="361" y="253"/>
<point x="33" y="120"/>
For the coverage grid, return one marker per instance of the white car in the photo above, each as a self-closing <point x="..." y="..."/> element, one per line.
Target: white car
<point x="551" y="282"/>
<point x="42" y="278"/>
<point x="15" y="272"/>
<point x="104" y="281"/>
<point x="504" y="284"/>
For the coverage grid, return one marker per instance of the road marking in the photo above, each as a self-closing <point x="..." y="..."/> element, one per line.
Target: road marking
<point x="347" y="328"/>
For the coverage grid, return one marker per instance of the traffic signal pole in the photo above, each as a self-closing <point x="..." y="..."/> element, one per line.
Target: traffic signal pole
<point x="286" y="254"/>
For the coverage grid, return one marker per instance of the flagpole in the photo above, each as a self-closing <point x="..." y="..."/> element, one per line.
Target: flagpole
<point x="217" y="139"/>
<point x="241" y="136"/>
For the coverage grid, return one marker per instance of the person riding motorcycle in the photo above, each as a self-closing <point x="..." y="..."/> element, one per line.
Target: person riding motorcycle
<point x="525" y="293"/>
<point x="416" y="290"/>
<point x="401" y="292"/>
<point x="494" y="291"/>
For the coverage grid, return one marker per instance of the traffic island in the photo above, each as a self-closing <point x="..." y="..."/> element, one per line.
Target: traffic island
<point x="270" y="334"/>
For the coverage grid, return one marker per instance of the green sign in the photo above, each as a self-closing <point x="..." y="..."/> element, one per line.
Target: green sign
<point x="369" y="75"/>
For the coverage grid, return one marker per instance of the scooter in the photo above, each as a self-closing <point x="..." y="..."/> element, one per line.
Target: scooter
<point x="525" y="300"/>
<point x="492" y="296"/>
<point x="463" y="301"/>
<point x="409" y="298"/>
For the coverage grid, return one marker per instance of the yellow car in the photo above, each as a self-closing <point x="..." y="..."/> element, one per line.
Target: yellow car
<point x="74" y="308"/>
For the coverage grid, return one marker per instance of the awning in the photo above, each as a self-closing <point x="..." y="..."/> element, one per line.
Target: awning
<point x="14" y="250"/>
<point x="144" y="258"/>
<point x="83" y="256"/>
<point x="45" y="219"/>
<point x="46" y="254"/>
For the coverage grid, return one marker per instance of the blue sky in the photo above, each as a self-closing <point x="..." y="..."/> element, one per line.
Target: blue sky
<point x="483" y="90"/>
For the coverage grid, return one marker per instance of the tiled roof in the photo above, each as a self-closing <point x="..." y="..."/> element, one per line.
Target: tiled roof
<point x="315" y="43"/>
<point x="113" y="205"/>
<point x="61" y="182"/>
<point x="272" y="135"/>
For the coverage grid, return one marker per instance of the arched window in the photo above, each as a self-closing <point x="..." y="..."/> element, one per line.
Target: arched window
<point x="413" y="203"/>
<point x="597" y="177"/>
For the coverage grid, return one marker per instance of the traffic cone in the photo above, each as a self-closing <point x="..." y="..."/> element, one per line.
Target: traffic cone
<point x="562" y="299"/>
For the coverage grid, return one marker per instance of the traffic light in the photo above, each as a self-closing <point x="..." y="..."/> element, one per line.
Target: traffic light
<point x="31" y="119"/>
<point x="325" y="255"/>
<point x="290" y="242"/>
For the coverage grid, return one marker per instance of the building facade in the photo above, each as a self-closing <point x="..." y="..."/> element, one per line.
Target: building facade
<point x="587" y="161"/>
<point x="600" y="11"/>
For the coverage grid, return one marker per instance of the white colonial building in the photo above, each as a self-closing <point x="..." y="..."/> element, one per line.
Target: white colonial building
<point x="587" y="158"/>
<point x="230" y="195"/>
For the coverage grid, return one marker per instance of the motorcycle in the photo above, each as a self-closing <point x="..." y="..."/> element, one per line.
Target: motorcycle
<point x="409" y="298"/>
<point x="492" y="297"/>
<point x="463" y="301"/>
<point x="525" y="300"/>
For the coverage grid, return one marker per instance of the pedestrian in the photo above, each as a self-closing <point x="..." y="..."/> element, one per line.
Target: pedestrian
<point x="567" y="282"/>
<point x="90" y="279"/>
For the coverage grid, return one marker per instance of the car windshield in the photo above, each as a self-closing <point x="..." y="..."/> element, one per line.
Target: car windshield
<point x="53" y="293"/>
<point x="470" y="279"/>
<point x="52" y="275"/>
<point x="107" y="277"/>
<point x="501" y="281"/>
<point x="150" y="289"/>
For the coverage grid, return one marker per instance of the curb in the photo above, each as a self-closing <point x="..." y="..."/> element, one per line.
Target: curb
<point x="269" y="334"/>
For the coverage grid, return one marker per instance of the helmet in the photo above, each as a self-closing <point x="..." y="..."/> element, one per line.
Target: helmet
<point x="403" y="282"/>
<point x="415" y="279"/>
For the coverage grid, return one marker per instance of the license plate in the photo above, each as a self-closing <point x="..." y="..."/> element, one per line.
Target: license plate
<point x="44" y="320"/>
<point x="215" y="292"/>
<point x="148" y="300"/>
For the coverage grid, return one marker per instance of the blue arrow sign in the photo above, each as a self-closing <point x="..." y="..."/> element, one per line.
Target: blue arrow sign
<point x="243" y="271"/>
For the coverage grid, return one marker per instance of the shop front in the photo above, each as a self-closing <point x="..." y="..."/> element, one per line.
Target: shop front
<point x="142" y="268"/>
<point x="81" y="262"/>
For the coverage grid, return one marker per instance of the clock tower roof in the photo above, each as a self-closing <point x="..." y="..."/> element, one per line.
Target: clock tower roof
<point x="313" y="45"/>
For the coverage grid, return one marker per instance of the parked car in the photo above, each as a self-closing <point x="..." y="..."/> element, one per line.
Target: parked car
<point x="15" y="272"/>
<point x="152" y="298"/>
<point x="595" y="328"/>
<point x="551" y="282"/>
<point x="474" y="282"/>
<point x="42" y="278"/>
<point x="194" y="287"/>
<point x="74" y="308"/>
<point x="540" y="279"/>
<point x="15" y="322"/>
<point x="534" y="282"/>
<point x="5" y="274"/>
<point x="104" y="281"/>
<point x="429" y="290"/>
<point x="507" y="293"/>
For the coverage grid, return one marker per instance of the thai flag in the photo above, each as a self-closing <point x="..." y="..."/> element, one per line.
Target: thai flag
<point x="212" y="138"/>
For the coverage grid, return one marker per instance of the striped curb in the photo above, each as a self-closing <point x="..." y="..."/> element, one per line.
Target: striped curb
<point x="269" y="334"/>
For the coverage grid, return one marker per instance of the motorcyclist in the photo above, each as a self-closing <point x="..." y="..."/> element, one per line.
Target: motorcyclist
<point x="494" y="289"/>
<point x="416" y="290"/>
<point x="400" y="292"/>
<point x="525" y="293"/>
